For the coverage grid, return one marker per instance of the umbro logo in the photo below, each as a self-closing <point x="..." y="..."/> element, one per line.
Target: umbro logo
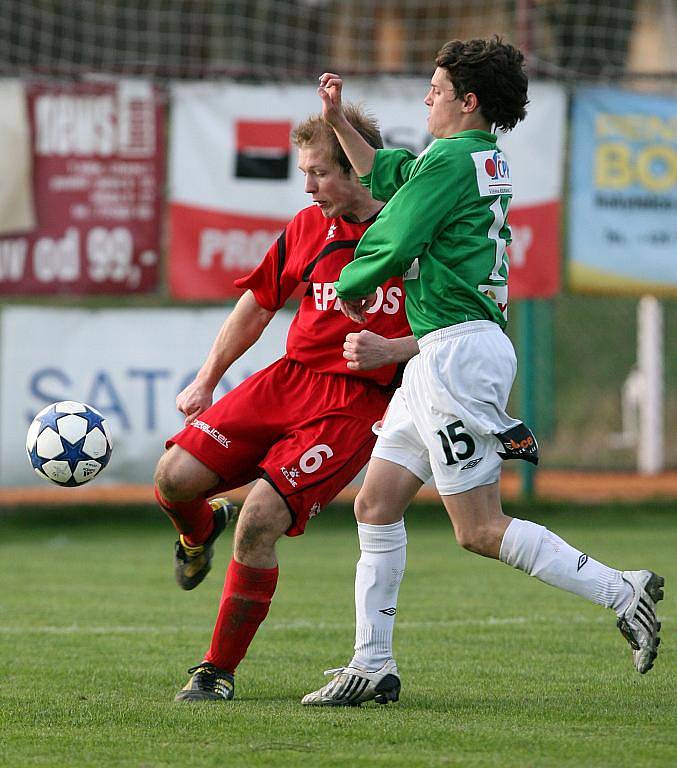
<point x="388" y="611"/>
<point x="472" y="463"/>
<point x="582" y="560"/>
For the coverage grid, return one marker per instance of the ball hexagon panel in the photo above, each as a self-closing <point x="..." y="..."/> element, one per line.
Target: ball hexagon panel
<point x="48" y="444"/>
<point x="72" y="428"/>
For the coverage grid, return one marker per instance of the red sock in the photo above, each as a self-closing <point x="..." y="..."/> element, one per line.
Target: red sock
<point x="244" y="605"/>
<point x="194" y="519"/>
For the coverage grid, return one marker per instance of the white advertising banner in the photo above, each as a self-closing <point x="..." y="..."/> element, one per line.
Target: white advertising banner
<point x="129" y="364"/>
<point x="233" y="181"/>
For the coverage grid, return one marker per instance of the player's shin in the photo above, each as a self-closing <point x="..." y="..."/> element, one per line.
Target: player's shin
<point x="539" y="552"/>
<point x="194" y="519"/>
<point x="245" y="602"/>
<point x="377" y="582"/>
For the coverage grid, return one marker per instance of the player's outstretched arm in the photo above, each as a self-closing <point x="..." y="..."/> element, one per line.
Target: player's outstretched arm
<point x="365" y="350"/>
<point x="359" y="152"/>
<point x="242" y="328"/>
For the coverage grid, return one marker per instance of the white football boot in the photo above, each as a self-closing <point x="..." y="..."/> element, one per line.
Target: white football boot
<point x="639" y="624"/>
<point x="350" y="687"/>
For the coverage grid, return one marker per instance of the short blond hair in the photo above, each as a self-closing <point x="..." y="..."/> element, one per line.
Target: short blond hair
<point x="315" y="130"/>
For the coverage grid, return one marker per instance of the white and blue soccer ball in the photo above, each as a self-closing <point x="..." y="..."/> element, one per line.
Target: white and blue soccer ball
<point x="69" y="443"/>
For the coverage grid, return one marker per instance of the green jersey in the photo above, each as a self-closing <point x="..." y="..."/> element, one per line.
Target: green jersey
<point x="443" y="228"/>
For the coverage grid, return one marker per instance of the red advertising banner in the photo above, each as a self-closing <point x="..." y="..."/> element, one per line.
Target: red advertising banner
<point x="534" y="251"/>
<point x="211" y="249"/>
<point x="235" y="184"/>
<point x="98" y="152"/>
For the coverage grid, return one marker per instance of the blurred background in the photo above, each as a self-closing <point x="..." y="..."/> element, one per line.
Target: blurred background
<point x="145" y="164"/>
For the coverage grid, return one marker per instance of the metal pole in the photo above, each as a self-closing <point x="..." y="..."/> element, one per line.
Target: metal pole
<point x="650" y="446"/>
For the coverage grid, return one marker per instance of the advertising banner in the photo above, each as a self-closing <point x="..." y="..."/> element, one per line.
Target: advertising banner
<point x="234" y="183"/>
<point x="98" y="157"/>
<point x="129" y="364"/>
<point x="623" y="211"/>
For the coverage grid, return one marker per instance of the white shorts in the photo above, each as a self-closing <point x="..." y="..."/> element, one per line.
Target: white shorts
<point x="442" y="421"/>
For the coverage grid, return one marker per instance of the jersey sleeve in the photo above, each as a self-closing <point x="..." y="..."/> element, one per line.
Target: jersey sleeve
<point x="404" y="228"/>
<point x="273" y="281"/>
<point x="392" y="167"/>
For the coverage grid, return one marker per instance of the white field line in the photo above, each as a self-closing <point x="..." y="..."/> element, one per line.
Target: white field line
<point x="132" y="629"/>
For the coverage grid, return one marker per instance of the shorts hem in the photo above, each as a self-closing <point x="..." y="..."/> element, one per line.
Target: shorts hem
<point x="196" y="454"/>
<point x="265" y="476"/>
<point x="469" y="486"/>
<point x="404" y="459"/>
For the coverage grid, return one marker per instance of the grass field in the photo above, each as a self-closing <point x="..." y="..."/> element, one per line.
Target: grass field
<point x="497" y="669"/>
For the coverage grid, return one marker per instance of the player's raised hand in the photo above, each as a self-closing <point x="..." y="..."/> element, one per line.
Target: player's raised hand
<point x="329" y="91"/>
<point x="194" y="400"/>
<point x="365" y="351"/>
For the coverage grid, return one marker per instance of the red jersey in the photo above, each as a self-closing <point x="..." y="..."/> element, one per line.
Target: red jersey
<point x="313" y="250"/>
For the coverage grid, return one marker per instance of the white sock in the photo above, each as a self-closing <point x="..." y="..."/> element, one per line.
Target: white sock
<point x="541" y="553"/>
<point x="377" y="582"/>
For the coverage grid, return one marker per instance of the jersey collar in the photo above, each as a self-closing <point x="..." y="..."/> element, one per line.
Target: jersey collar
<point x="475" y="133"/>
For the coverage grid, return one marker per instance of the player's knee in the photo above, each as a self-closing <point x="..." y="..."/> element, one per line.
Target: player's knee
<point x="171" y="482"/>
<point x="370" y="509"/>
<point x="475" y="538"/>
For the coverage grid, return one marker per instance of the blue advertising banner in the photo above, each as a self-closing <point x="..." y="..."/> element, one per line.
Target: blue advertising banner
<point x="623" y="193"/>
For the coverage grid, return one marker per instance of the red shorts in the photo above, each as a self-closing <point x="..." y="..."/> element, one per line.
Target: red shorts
<point x="307" y="433"/>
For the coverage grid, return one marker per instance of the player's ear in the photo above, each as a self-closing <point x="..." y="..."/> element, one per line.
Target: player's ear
<point x="470" y="102"/>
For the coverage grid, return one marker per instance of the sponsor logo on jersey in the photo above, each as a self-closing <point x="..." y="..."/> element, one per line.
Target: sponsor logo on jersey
<point x="212" y="432"/>
<point x="498" y="294"/>
<point x="331" y="232"/>
<point x="472" y="463"/>
<point x="519" y="443"/>
<point x="493" y="173"/>
<point x="291" y="475"/>
<point x="388" y="301"/>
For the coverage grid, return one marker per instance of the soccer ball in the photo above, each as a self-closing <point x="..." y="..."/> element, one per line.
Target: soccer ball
<point x="69" y="443"/>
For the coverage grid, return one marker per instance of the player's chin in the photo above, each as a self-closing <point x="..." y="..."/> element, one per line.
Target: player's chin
<point x="328" y="210"/>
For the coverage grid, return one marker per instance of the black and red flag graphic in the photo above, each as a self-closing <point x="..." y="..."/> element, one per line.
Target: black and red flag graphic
<point x="263" y="149"/>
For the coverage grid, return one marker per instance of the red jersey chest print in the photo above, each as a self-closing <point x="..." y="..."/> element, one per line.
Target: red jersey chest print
<point x="313" y="250"/>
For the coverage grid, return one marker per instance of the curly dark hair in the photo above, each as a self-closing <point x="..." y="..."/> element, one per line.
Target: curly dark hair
<point x="494" y="72"/>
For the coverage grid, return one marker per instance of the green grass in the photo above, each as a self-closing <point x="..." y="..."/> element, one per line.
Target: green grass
<point x="498" y="669"/>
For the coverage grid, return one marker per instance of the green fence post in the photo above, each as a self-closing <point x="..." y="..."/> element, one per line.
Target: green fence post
<point x="528" y="370"/>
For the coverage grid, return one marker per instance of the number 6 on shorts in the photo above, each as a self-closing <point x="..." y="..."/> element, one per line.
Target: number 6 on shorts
<point x="312" y="459"/>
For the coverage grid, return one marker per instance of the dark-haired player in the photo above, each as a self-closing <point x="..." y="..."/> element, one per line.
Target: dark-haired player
<point x="301" y="427"/>
<point x="445" y="225"/>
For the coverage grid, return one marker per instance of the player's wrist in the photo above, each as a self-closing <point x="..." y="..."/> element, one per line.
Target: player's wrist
<point x="208" y="380"/>
<point x="339" y="122"/>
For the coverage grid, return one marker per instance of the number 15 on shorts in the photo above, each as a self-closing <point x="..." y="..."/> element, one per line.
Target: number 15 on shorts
<point x="456" y="444"/>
